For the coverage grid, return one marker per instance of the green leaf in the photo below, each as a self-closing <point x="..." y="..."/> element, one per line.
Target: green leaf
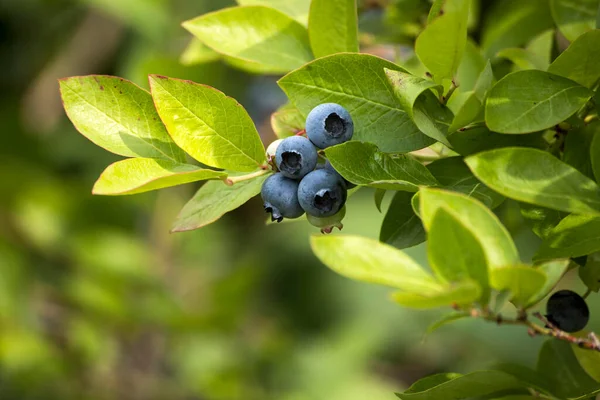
<point x="453" y="174"/>
<point x="287" y="121"/>
<point x="435" y="10"/>
<point x="485" y="82"/>
<point x="424" y="108"/>
<point x="209" y="126"/>
<point x="256" y="34"/>
<point x="523" y="58"/>
<point x="444" y="320"/>
<point x="542" y="219"/>
<point x="358" y="83"/>
<point x="595" y="156"/>
<point x="565" y="377"/>
<point x="297" y="9"/>
<point x="590" y="274"/>
<point x="401" y="227"/>
<point x="551" y="183"/>
<point x="554" y="271"/>
<point x="574" y="236"/>
<point x="457" y="386"/>
<point x="462" y="293"/>
<point x="455" y="254"/>
<point x="465" y="106"/>
<point x="213" y="200"/>
<point x="471" y="66"/>
<point x="333" y="27"/>
<point x="475" y="140"/>
<point x="499" y="249"/>
<point x="524" y="282"/>
<point x="589" y="361"/>
<point x="579" y="62"/>
<point x="530" y="101"/>
<point x="362" y="164"/>
<point x="138" y="175"/>
<point x="512" y="23"/>
<point x="532" y="378"/>
<point x="369" y="260"/>
<point x="408" y="88"/>
<point x="198" y="53"/>
<point x="541" y="47"/>
<point x="441" y="45"/>
<point x="378" y="196"/>
<point x="118" y="116"/>
<point x="577" y="148"/>
<point x="574" y="17"/>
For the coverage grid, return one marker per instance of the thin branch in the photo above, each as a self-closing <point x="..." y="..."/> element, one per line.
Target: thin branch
<point x="591" y="342"/>
<point x="230" y="181"/>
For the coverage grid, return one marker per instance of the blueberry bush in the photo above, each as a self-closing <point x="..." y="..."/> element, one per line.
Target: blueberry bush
<point x="464" y="111"/>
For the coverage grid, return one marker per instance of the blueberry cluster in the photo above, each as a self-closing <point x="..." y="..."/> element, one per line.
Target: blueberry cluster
<point x="302" y="183"/>
<point x="567" y="311"/>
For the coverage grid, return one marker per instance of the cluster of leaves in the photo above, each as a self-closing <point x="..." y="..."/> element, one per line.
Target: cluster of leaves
<point x="515" y="116"/>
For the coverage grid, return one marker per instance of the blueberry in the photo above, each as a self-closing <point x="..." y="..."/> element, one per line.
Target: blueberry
<point x="321" y="193"/>
<point x="295" y="157"/>
<point x="280" y="197"/>
<point x="568" y="311"/>
<point x="329" y="124"/>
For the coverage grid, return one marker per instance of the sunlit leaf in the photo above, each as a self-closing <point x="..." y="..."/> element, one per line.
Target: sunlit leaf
<point x="333" y="27"/>
<point x="524" y="282"/>
<point x="530" y="101"/>
<point x="442" y="44"/>
<point x="579" y="62"/>
<point x="209" y="126"/>
<point x="362" y="164"/>
<point x="358" y="83"/>
<point x="455" y="253"/>
<point x="369" y="260"/>
<point x="551" y="183"/>
<point x="256" y="34"/>
<point x="497" y="245"/>
<point x="117" y="115"/>
<point x="138" y="175"/>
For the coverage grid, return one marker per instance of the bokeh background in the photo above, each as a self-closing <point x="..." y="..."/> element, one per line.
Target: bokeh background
<point x="98" y="301"/>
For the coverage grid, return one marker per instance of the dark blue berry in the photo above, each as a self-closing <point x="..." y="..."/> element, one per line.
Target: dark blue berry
<point x="321" y="193"/>
<point x="329" y="124"/>
<point x="295" y="157"/>
<point x="280" y="197"/>
<point x="568" y="311"/>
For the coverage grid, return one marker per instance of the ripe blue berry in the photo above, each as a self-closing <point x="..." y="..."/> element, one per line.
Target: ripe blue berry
<point x="321" y="193"/>
<point x="329" y="124"/>
<point x="295" y="157"/>
<point x="568" y="311"/>
<point x="280" y="197"/>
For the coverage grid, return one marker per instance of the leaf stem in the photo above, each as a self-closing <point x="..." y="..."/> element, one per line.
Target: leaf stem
<point x="591" y="342"/>
<point x="450" y="92"/>
<point x="230" y="181"/>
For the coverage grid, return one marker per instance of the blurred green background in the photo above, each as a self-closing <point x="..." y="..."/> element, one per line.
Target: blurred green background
<point x="99" y="301"/>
